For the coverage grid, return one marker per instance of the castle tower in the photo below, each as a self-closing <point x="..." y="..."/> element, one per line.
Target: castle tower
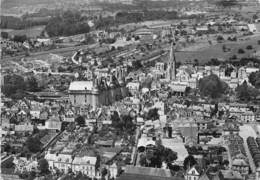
<point x="171" y="66"/>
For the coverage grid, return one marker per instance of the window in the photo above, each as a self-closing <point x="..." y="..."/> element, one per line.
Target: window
<point x="74" y="99"/>
<point x="85" y="98"/>
<point x="189" y="178"/>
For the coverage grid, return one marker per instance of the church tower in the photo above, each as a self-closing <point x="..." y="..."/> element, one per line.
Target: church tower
<point x="171" y="66"/>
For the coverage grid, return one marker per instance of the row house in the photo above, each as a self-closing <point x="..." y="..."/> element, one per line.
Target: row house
<point x="61" y="161"/>
<point x="64" y="162"/>
<point x="248" y="116"/>
<point x="240" y="164"/>
<point x="85" y="164"/>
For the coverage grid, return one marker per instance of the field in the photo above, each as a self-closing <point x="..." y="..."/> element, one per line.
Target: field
<point x="215" y="51"/>
<point x="30" y="32"/>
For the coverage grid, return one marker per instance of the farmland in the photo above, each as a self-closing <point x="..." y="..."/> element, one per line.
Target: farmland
<point x="29" y="32"/>
<point x="204" y="54"/>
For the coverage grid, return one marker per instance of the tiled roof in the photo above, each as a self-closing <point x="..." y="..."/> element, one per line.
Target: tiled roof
<point x="146" y="173"/>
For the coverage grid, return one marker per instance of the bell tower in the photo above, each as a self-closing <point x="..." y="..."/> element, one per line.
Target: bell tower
<point x="171" y="66"/>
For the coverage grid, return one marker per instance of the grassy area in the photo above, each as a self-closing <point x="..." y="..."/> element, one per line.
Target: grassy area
<point x="30" y="32"/>
<point x="216" y="51"/>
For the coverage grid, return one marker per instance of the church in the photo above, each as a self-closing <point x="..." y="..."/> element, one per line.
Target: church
<point x="99" y="90"/>
<point x="171" y="65"/>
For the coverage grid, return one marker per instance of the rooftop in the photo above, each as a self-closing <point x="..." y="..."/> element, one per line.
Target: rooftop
<point x="146" y="173"/>
<point x="81" y="85"/>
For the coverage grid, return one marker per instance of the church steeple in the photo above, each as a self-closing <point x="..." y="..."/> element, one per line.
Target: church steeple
<point x="171" y="67"/>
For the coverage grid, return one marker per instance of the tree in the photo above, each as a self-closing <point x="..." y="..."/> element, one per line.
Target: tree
<point x="225" y="162"/>
<point x="246" y="93"/>
<point x="241" y="51"/>
<point x="127" y="124"/>
<point x="33" y="144"/>
<point x="224" y="48"/>
<point x="43" y="166"/>
<point x="169" y="155"/>
<point x="174" y="167"/>
<point x="249" y="47"/>
<point x="32" y="175"/>
<point x="227" y="3"/>
<point x="80" y="121"/>
<point x="4" y="35"/>
<point x="234" y="57"/>
<point x="137" y="65"/>
<point x="212" y="86"/>
<point x="12" y="83"/>
<point x="104" y="172"/>
<point x="69" y="23"/>
<point x="31" y="84"/>
<point x="196" y="62"/>
<point x="214" y="62"/>
<point x="115" y="119"/>
<point x="152" y="114"/>
<point x="20" y="38"/>
<point x="254" y="79"/>
<point x="189" y="161"/>
<point x="143" y="161"/>
<point x="220" y="38"/>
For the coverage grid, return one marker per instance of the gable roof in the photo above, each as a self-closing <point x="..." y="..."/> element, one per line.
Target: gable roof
<point x="211" y="174"/>
<point x="147" y="173"/>
<point x="232" y="175"/>
<point x="197" y="168"/>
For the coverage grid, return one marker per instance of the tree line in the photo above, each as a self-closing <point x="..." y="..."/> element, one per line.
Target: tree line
<point x="11" y="22"/>
<point x="125" y="17"/>
<point x="67" y="24"/>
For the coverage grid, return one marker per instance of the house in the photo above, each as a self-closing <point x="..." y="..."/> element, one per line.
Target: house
<point x="69" y="116"/>
<point x="22" y="164"/>
<point x="85" y="164"/>
<point x="133" y="87"/>
<point x="53" y="123"/>
<point x="35" y="114"/>
<point x="22" y="104"/>
<point x="211" y="174"/>
<point x="240" y="164"/>
<point x="27" y="127"/>
<point x="193" y="173"/>
<point x="257" y="115"/>
<point x="178" y="89"/>
<point x="44" y="114"/>
<point x="21" y="115"/>
<point x="231" y="175"/>
<point x="183" y="75"/>
<point x="247" y="116"/>
<point x="252" y="28"/>
<point x="60" y="161"/>
<point x="230" y="128"/>
<point x="113" y="170"/>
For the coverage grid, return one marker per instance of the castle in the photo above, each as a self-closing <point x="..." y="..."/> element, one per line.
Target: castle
<point x="100" y="87"/>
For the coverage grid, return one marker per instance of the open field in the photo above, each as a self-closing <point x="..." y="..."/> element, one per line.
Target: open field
<point x="204" y="54"/>
<point x="30" y="32"/>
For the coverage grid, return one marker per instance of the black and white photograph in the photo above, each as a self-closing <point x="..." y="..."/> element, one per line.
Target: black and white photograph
<point x="130" y="89"/>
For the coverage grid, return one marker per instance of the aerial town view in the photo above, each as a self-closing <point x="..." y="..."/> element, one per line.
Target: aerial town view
<point x="130" y="90"/>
